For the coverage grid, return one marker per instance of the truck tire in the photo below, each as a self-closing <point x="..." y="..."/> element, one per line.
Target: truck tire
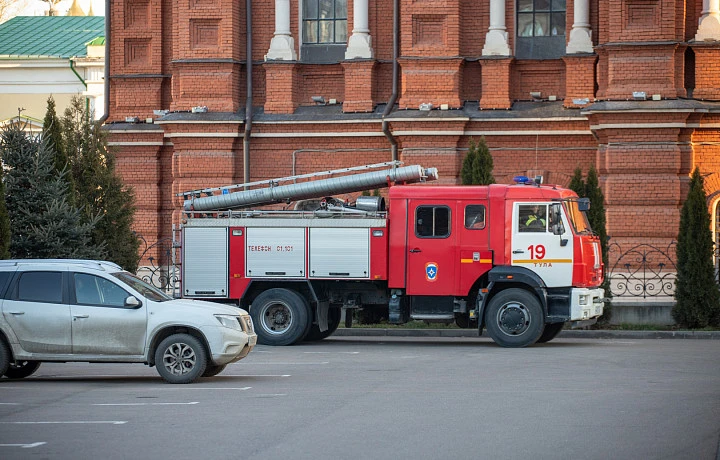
<point x="514" y="318"/>
<point x="551" y="331"/>
<point x="21" y="369"/>
<point x="333" y="322"/>
<point x="281" y="317"/>
<point x="180" y="358"/>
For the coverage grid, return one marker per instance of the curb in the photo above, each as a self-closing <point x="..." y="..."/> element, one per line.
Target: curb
<point x="566" y="334"/>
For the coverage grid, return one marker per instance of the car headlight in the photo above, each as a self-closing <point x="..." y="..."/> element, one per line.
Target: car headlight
<point x="233" y="322"/>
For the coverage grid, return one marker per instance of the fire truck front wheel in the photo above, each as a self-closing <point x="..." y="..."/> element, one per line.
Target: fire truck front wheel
<point x="281" y="317"/>
<point x="514" y="318"/>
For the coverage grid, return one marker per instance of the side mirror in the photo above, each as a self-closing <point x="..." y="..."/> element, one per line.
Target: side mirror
<point x="132" y="302"/>
<point x="584" y="204"/>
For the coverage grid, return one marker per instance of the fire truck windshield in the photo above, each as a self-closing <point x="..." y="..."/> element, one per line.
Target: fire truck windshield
<point x="578" y="218"/>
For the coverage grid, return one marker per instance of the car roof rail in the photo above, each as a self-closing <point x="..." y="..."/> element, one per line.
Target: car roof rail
<point x="103" y="265"/>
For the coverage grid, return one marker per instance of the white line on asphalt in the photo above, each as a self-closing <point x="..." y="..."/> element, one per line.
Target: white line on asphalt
<point x="267" y="395"/>
<point x="266" y="363"/>
<point x="24" y="446"/>
<point x="148" y="404"/>
<point x="70" y="422"/>
<point x="332" y="352"/>
<point x="202" y="388"/>
<point x="254" y="375"/>
<point x="9" y="404"/>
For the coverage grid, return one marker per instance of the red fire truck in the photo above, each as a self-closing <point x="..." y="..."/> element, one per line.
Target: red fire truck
<point x="517" y="260"/>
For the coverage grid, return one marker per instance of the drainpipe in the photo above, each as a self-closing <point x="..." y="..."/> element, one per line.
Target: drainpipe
<point x="249" y="89"/>
<point x="106" y="83"/>
<point x="393" y="97"/>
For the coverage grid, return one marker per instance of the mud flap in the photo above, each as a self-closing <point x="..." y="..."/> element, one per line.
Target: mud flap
<point x="321" y="314"/>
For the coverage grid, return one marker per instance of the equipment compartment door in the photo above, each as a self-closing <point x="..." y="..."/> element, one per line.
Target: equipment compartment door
<point x="205" y="262"/>
<point x="430" y="249"/>
<point x="273" y="252"/>
<point x="339" y="253"/>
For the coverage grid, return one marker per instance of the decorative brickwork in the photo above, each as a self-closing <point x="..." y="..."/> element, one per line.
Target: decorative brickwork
<point x="579" y="79"/>
<point x="707" y="71"/>
<point x="359" y="85"/>
<point x="496" y="83"/>
<point x="434" y="81"/>
<point x="281" y="86"/>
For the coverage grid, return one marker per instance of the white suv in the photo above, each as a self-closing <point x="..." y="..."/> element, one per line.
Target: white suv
<point x="93" y="311"/>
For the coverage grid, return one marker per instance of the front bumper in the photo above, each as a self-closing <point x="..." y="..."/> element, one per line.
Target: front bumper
<point x="229" y="345"/>
<point x="586" y="304"/>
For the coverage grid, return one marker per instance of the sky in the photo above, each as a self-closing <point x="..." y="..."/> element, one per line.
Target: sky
<point x="39" y="8"/>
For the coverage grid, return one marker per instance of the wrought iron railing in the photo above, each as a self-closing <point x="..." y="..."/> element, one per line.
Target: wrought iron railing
<point x="642" y="271"/>
<point x="158" y="265"/>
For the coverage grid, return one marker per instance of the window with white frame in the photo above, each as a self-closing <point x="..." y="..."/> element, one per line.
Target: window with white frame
<point x="324" y="30"/>
<point x="540" y="29"/>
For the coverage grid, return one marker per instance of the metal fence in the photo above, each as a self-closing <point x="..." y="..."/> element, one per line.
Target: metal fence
<point x="159" y="264"/>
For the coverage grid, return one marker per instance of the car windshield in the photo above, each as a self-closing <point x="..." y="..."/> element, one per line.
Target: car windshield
<point x="578" y="218"/>
<point x="145" y="289"/>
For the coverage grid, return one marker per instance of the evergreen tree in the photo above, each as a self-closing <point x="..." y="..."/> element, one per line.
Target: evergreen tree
<point x="99" y="191"/>
<point x="477" y="166"/>
<point x="696" y="293"/>
<point x="43" y="223"/>
<point x="577" y="184"/>
<point x="4" y="219"/>
<point x="596" y="216"/>
<point x="52" y="132"/>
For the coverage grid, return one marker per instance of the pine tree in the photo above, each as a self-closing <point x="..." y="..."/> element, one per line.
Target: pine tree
<point x="477" y="166"/>
<point x="43" y="223"/>
<point x="4" y="219"/>
<point x="52" y="132"/>
<point x="577" y="184"/>
<point x="99" y="191"/>
<point x="596" y="216"/>
<point x="696" y="293"/>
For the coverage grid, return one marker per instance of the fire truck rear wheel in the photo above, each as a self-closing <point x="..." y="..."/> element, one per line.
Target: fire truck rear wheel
<point x="333" y="323"/>
<point x="515" y="318"/>
<point x="281" y="317"/>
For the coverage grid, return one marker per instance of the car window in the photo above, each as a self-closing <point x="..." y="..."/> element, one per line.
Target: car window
<point x="151" y="292"/>
<point x="4" y="278"/>
<point x="95" y="290"/>
<point x="40" y="287"/>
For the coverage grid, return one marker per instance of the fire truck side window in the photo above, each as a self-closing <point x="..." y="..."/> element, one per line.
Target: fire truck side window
<point x="432" y="221"/>
<point x="474" y="216"/>
<point x="532" y="218"/>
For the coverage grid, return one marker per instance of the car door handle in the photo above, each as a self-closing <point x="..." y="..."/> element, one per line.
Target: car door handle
<point x="80" y="316"/>
<point x="415" y="250"/>
<point x="518" y="251"/>
<point x="17" y="313"/>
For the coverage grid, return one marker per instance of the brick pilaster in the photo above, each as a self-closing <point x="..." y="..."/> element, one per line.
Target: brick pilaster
<point x="496" y="83"/>
<point x="707" y="71"/>
<point x="359" y="85"/>
<point x="579" y="78"/>
<point x="281" y="81"/>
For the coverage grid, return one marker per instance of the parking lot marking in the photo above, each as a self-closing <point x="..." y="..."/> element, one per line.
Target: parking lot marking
<point x="70" y="422"/>
<point x="255" y="375"/>
<point x="149" y="404"/>
<point x="332" y="352"/>
<point x="24" y="446"/>
<point x="9" y="404"/>
<point x="205" y="388"/>
<point x="266" y="363"/>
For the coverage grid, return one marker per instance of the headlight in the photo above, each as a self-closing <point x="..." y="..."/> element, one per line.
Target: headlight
<point x="248" y="323"/>
<point x="233" y="322"/>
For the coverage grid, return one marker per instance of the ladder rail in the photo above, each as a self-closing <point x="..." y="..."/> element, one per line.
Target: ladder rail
<point x="274" y="182"/>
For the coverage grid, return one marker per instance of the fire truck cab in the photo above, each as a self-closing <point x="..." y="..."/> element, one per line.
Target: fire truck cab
<point x="517" y="260"/>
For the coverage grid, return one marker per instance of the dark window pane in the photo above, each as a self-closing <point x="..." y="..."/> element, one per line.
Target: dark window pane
<point x="310" y="32"/>
<point x="112" y="294"/>
<point x="558" y="5"/>
<point x="4" y="278"/>
<point x="86" y="289"/>
<point x="475" y="216"/>
<point x="326" y="9"/>
<point x="525" y="25"/>
<point x="326" y="32"/>
<point x="424" y="221"/>
<point x="525" y="5"/>
<point x="558" y="24"/>
<point x="340" y="31"/>
<point x="310" y="9"/>
<point x="40" y="287"/>
<point x="542" y="5"/>
<point x="341" y="9"/>
<point x="442" y="222"/>
<point x="542" y="24"/>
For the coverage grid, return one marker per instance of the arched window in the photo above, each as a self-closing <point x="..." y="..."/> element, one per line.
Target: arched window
<point x="324" y="31"/>
<point x="540" y="32"/>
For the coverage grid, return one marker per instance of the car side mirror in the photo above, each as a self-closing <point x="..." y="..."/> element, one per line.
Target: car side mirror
<point x="132" y="302"/>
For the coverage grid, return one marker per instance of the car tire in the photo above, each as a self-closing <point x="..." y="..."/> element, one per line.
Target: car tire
<point x="4" y="357"/>
<point x="180" y="358"/>
<point x="212" y="370"/>
<point x="514" y="318"/>
<point x="333" y="322"/>
<point x="551" y="331"/>
<point x="21" y="369"/>
<point x="281" y="317"/>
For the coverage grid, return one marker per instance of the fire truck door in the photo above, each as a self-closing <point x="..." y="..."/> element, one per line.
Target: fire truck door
<point x="430" y="249"/>
<point x="542" y="242"/>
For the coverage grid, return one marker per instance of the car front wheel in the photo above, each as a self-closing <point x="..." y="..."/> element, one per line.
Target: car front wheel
<point x="180" y="358"/>
<point x="21" y="369"/>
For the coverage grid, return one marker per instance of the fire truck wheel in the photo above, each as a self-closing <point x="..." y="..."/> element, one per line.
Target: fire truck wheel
<point x="333" y="323"/>
<point x="551" y="331"/>
<point x="212" y="370"/>
<point x="180" y="358"/>
<point x="514" y="318"/>
<point x="281" y="317"/>
<point x="21" y="369"/>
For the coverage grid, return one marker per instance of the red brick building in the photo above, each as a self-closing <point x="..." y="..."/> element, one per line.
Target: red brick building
<point x="629" y="86"/>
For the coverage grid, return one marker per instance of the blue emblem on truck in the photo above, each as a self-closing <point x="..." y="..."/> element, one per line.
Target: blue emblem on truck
<point x="431" y="271"/>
